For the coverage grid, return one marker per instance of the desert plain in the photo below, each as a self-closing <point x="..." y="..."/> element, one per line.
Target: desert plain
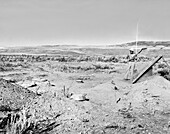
<point x="62" y="89"/>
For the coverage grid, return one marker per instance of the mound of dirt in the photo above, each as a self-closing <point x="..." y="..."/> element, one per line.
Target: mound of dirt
<point x="13" y="96"/>
<point x="152" y="94"/>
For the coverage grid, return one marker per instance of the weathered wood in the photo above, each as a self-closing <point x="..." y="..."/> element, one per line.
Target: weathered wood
<point x="147" y="69"/>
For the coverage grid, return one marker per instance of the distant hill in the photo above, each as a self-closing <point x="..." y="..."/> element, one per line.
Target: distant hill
<point x="59" y="46"/>
<point x="144" y="43"/>
<point x="147" y="43"/>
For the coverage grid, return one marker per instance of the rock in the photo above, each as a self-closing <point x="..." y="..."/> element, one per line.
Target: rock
<point x="79" y="81"/>
<point x="27" y="84"/>
<point x="39" y="79"/>
<point x="79" y="97"/>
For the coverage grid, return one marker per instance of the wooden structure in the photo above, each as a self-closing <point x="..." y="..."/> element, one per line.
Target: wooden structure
<point x="147" y="69"/>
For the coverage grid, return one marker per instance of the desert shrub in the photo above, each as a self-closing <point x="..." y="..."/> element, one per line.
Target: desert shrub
<point x="5" y="108"/>
<point x="162" y="65"/>
<point x="99" y="66"/>
<point x="62" y="59"/>
<point x="2" y="69"/>
<point x="18" y="122"/>
<point x="163" y="72"/>
<point x="9" y="65"/>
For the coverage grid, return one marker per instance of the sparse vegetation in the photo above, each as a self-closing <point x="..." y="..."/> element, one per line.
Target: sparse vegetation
<point x="56" y="83"/>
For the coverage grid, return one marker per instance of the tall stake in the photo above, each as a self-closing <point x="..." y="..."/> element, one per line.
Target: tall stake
<point x="137" y="38"/>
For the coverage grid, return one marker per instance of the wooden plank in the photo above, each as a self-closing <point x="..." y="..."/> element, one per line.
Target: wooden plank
<point x="146" y="69"/>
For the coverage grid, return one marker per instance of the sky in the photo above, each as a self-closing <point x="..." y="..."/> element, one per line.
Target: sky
<point x="82" y="22"/>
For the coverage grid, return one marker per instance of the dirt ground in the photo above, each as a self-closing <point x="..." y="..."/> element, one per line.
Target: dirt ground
<point x="51" y="95"/>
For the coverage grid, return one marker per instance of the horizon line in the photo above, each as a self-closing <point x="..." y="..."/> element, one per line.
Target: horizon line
<point x="90" y="44"/>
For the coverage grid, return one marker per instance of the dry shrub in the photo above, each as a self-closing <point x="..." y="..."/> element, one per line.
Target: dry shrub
<point x="163" y="70"/>
<point x="27" y="121"/>
<point x="20" y="122"/>
<point x="101" y="66"/>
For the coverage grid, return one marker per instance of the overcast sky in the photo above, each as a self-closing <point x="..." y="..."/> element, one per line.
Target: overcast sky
<point x="99" y="22"/>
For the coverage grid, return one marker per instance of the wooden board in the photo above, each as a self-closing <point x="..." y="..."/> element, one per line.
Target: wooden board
<point x="146" y="69"/>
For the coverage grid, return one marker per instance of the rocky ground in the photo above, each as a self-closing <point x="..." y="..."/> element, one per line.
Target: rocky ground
<point x="82" y="98"/>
